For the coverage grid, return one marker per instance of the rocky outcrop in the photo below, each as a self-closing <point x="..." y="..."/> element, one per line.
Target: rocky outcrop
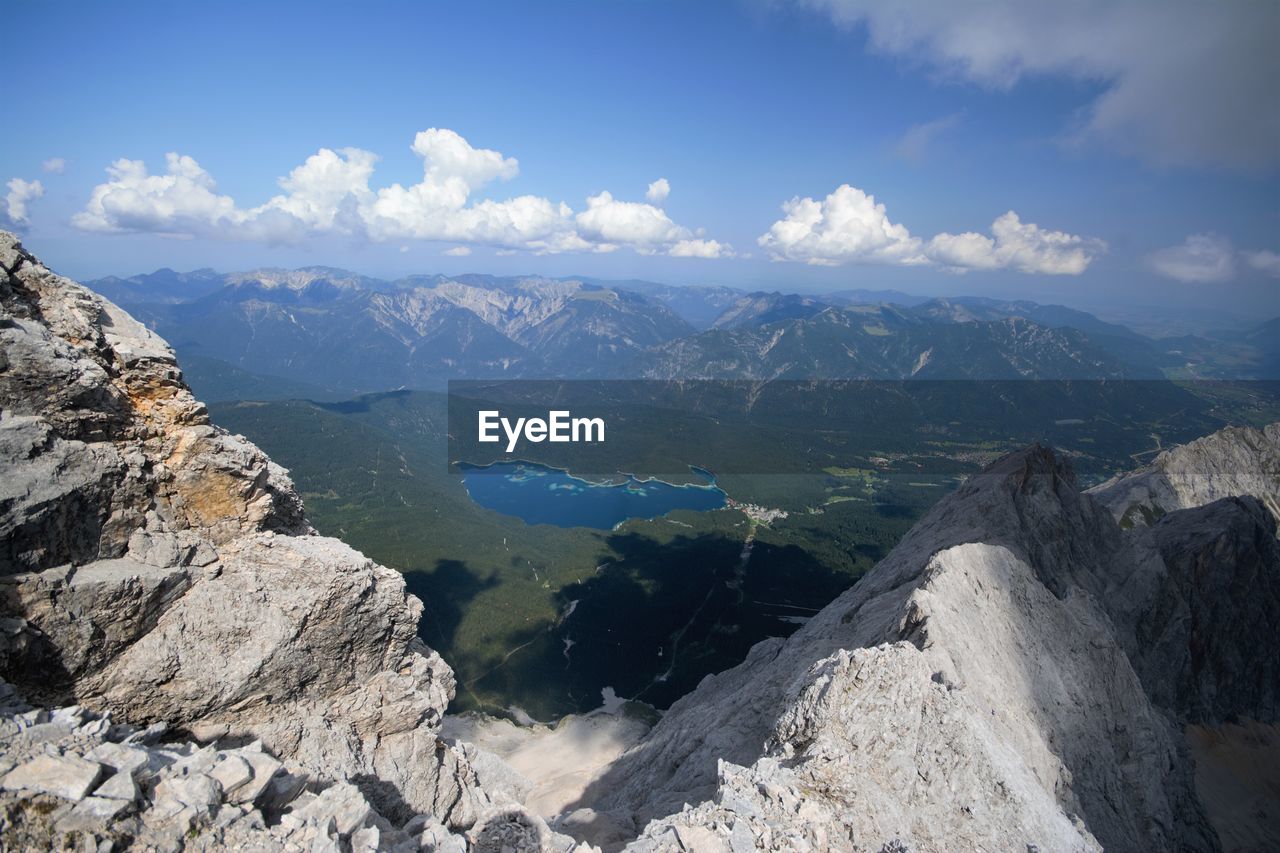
<point x="1232" y="462"/>
<point x="107" y="450"/>
<point x="1016" y="674"/>
<point x="156" y="569"/>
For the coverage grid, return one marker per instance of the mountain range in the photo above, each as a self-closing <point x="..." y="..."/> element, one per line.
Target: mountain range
<point x="271" y="332"/>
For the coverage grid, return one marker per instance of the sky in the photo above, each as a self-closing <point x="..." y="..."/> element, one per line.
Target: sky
<point x="1097" y="153"/>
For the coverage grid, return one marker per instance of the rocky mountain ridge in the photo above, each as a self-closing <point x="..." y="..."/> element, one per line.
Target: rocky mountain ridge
<point x="1016" y="674"/>
<point x="370" y="335"/>
<point x="885" y="343"/>
<point x="346" y="334"/>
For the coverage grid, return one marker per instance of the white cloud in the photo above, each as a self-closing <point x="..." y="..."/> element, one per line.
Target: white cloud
<point x="1201" y="258"/>
<point x="54" y="165"/>
<point x="458" y="252"/>
<point x="318" y="190"/>
<point x="21" y="194"/>
<point x="330" y="194"/>
<point x="450" y="157"/>
<point x="849" y="226"/>
<point x="182" y="202"/>
<point x="1265" y="261"/>
<point x="1017" y="245"/>
<point x="1209" y="259"/>
<point x="701" y="249"/>
<point x="658" y="191"/>
<point x="1183" y="81"/>
<point x="609" y="222"/>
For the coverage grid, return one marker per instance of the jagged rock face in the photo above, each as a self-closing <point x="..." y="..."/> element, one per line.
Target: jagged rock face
<point x="102" y="439"/>
<point x="1016" y="672"/>
<point x="1204" y="640"/>
<point x="1200" y="587"/>
<point x="157" y="568"/>
<point x="1231" y="462"/>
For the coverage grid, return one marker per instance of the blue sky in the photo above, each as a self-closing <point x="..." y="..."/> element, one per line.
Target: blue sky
<point x="1136" y="144"/>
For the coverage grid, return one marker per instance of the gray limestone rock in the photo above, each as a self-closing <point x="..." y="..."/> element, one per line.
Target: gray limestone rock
<point x="1232" y="462"/>
<point x="157" y="568"/>
<point x="66" y="776"/>
<point x="174" y="795"/>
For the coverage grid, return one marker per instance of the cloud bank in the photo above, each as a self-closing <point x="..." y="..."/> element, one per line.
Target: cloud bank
<point x="1184" y="81"/>
<point x="850" y="226"/>
<point x="1210" y="259"/>
<point x="330" y="195"/>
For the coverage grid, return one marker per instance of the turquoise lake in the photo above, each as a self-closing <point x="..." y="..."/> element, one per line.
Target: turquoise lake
<point x="541" y="495"/>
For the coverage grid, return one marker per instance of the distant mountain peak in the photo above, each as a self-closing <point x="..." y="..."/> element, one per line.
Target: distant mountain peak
<point x="273" y="277"/>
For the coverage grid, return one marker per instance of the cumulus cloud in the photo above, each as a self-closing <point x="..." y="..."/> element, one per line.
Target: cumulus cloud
<point x="658" y="191"/>
<point x="1184" y="82"/>
<point x="330" y="194"/>
<point x="1210" y="259"/>
<point x="607" y="221"/>
<point x="182" y="202"/>
<point x="849" y="226"/>
<point x="21" y="194"/>
<point x="1017" y="245"/>
<point x="458" y="252"/>
<point x="54" y="165"/>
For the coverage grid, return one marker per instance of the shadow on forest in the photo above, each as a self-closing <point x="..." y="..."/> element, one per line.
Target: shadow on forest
<point x="361" y="404"/>
<point x="886" y="510"/>
<point x="446" y="592"/>
<point x="663" y="615"/>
